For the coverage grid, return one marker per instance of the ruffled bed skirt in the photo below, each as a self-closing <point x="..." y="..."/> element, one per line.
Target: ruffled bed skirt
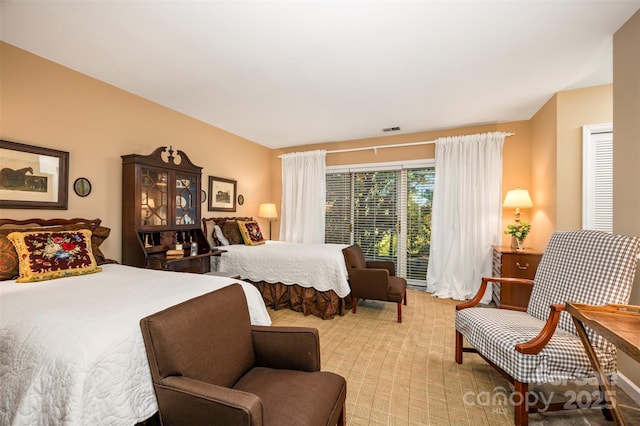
<point x="322" y="304"/>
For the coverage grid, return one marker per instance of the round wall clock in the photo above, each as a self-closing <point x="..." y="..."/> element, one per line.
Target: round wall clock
<point x="82" y="187"/>
<point x="241" y="199"/>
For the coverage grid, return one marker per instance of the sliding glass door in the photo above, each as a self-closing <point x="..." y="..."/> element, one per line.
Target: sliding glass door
<point x="387" y="211"/>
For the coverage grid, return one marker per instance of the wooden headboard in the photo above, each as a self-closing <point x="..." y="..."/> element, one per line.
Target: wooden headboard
<point x="98" y="233"/>
<point x="209" y="222"/>
<point x="41" y="223"/>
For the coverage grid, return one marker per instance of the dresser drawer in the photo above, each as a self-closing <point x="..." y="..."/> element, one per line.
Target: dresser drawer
<point x="199" y="264"/>
<point x="509" y="263"/>
<point x="519" y="265"/>
<point x="196" y="265"/>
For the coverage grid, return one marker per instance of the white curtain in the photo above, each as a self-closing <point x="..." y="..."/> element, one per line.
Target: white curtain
<point x="466" y="214"/>
<point x="303" y="197"/>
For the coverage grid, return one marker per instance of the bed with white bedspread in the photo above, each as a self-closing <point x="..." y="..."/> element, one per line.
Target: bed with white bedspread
<point x="319" y="266"/>
<point x="308" y="278"/>
<point x="71" y="349"/>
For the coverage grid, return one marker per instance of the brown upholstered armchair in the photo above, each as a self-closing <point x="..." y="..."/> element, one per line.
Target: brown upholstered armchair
<point x="210" y="366"/>
<point x="374" y="280"/>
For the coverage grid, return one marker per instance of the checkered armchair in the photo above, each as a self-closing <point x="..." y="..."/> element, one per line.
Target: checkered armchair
<point x="541" y="345"/>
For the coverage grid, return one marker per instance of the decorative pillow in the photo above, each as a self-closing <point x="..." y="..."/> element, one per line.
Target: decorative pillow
<point x="250" y="233"/>
<point x="209" y="232"/>
<point x="97" y="237"/>
<point x="218" y="234"/>
<point x="231" y="232"/>
<point x="9" y="259"/>
<point x="45" y="255"/>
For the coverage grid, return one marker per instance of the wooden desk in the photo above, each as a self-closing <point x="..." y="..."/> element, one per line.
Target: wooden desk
<point x="197" y="264"/>
<point x="619" y="324"/>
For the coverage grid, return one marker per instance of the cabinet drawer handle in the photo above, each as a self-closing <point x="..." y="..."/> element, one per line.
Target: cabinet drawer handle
<point x="526" y="266"/>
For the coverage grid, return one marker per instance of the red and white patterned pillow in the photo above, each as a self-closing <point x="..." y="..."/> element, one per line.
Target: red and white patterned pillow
<point x="251" y="233"/>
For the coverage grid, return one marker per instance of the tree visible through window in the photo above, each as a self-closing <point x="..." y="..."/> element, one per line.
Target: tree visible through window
<point x="419" y="201"/>
<point x="386" y="212"/>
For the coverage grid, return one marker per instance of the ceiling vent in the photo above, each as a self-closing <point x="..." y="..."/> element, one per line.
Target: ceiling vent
<point x="391" y="129"/>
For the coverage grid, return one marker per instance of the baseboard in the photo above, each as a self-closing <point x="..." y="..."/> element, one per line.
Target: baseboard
<point x="629" y="387"/>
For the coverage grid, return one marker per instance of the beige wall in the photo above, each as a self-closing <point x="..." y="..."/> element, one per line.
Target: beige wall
<point x="626" y="150"/>
<point x="543" y="173"/>
<point x="47" y="105"/>
<point x="516" y="148"/>
<point x="556" y="157"/>
<point x="576" y="108"/>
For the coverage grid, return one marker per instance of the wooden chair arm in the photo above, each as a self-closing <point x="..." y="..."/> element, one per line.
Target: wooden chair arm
<point x="483" y="287"/>
<point x="535" y="345"/>
<point x="476" y="299"/>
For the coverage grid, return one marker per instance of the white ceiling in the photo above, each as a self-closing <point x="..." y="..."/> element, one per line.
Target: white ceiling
<point x="285" y="73"/>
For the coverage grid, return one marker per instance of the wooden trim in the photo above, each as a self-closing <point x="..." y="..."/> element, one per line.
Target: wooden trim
<point x="476" y="299"/>
<point x="535" y="345"/>
<point x="483" y="287"/>
<point x="50" y="222"/>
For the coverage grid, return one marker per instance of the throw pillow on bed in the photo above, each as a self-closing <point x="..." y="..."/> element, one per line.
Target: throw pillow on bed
<point x="9" y="260"/>
<point x="218" y="234"/>
<point x="250" y="232"/>
<point x="231" y="232"/>
<point x="45" y="255"/>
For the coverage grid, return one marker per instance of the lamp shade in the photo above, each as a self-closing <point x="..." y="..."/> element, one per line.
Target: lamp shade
<point x="267" y="211"/>
<point x="518" y="198"/>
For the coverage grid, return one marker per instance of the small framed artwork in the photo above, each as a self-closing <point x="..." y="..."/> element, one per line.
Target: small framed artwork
<point x="240" y="199"/>
<point x="203" y="195"/>
<point x="222" y="194"/>
<point x="32" y="177"/>
<point x="82" y="187"/>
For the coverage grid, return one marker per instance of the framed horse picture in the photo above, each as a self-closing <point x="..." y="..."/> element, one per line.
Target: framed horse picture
<point x="32" y="177"/>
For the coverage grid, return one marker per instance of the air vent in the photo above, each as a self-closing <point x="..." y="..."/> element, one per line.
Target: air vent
<point x="391" y="129"/>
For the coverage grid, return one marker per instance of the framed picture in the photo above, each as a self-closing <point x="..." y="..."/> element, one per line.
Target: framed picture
<point x="222" y="194"/>
<point x="32" y="177"/>
<point x="82" y="187"/>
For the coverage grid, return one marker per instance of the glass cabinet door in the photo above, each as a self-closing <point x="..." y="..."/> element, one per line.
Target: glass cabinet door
<point x="153" y="200"/>
<point x="186" y="199"/>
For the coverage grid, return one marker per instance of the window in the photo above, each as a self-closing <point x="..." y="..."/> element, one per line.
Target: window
<point x="386" y="209"/>
<point x="597" y="177"/>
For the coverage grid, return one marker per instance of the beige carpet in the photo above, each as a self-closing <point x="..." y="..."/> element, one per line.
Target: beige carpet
<point x="405" y="374"/>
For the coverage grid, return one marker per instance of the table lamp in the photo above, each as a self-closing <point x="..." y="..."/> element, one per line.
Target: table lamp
<point x="518" y="199"/>
<point x="268" y="211"/>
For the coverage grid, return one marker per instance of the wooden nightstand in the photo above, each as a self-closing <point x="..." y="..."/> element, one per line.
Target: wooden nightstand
<point x="511" y="263"/>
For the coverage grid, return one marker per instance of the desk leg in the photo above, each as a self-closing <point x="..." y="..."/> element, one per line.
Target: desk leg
<point x="609" y="397"/>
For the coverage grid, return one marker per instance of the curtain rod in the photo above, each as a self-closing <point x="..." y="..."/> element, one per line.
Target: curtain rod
<point x="376" y="148"/>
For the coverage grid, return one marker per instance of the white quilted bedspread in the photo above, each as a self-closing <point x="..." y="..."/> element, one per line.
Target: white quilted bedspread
<point x="71" y="349"/>
<point x="320" y="266"/>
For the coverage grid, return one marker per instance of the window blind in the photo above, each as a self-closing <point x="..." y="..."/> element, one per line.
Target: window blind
<point x="338" y="208"/>
<point x="387" y="211"/>
<point x="597" y="192"/>
<point x="375" y="216"/>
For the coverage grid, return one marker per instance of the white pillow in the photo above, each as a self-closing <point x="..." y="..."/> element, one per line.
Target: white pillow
<point x="219" y="236"/>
